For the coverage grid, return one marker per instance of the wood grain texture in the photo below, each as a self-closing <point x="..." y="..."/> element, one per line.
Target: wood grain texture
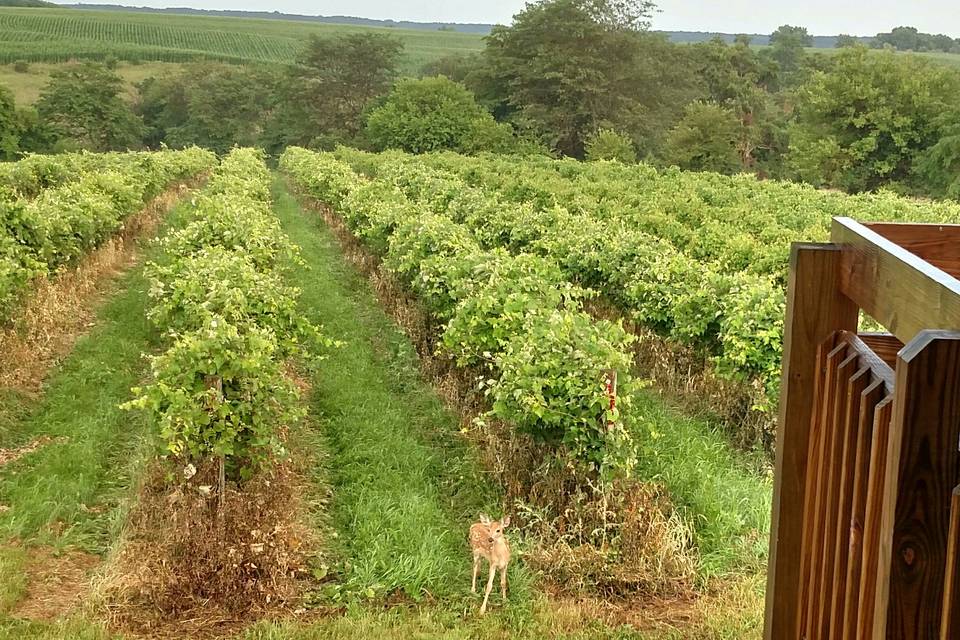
<point x="831" y="514"/>
<point x="815" y="309"/>
<point x="934" y="243"/>
<point x="814" y="467"/>
<point x="902" y="292"/>
<point x="851" y="427"/>
<point x="950" y="623"/>
<point x="885" y="345"/>
<point x="871" y="570"/>
<point x="872" y="396"/>
<point x="922" y="473"/>
<point x="818" y="523"/>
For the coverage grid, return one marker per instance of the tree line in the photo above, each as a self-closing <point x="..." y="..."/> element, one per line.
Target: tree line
<point x="579" y="78"/>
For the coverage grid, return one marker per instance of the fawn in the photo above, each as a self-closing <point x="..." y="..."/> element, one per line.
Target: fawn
<point x="487" y="541"/>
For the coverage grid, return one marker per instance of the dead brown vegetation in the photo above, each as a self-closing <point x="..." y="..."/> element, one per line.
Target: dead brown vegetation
<point x="188" y="565"/>
<point x="61" y="308"/>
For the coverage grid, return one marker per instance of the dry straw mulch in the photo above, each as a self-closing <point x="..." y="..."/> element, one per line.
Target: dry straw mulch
<point x="61" y="308"/>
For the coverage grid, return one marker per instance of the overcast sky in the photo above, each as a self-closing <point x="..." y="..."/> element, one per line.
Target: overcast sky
<point x="821" y="17"/>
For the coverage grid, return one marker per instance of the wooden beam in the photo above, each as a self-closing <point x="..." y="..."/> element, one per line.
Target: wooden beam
<point x="923" y="467"/>
<point x="815" y="309"/>
<point x="892" y="285"/>
<point x="938" y="244"/>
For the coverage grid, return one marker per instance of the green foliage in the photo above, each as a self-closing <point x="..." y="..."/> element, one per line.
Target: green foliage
<point x="214" y="106"/>
<point x="9" y="126"/>
<point x="910" y="39"/>
<point x="845" y="41"/>
<point x="864" y="122"/>
<point x="434" y="114"/>
<point x="563" y="70"/>
<point x="607" y="144"/>
<point x="220" y="389"/>
<point x="323" y="96"/>
<point x="787" y="46"/>
<point x="61" y="207"/>
<point x="514" y="315"/>
<point x="552" y="385"/>
<point x="21" y="66"/>
<point x="83" y="105"/>
<point x="705" y="139"/>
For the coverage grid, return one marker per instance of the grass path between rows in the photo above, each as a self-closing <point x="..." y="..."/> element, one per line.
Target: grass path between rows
<point x="406" y="486"/>
<point x="74" y="491"/>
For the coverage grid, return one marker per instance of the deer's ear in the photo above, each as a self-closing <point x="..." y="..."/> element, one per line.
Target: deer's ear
<point x="506" y="521"/>
<point x="484" y="519"/>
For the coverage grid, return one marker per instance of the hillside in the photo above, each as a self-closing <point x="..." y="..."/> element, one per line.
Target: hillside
<point x="26" y="3"/>
<point x="57" y="35"/>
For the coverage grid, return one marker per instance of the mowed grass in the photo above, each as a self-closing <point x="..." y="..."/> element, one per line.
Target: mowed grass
<point x="58" y="35"/>
<point x="406" y="484"/>
<point x="26" y="86"/>
<point x="74" y="491"/>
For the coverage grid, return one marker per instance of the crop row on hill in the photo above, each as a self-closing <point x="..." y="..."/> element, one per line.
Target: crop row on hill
<point x="79" y="201"/>
<point x="60" y="35"/>
<point x="699" y="257"/>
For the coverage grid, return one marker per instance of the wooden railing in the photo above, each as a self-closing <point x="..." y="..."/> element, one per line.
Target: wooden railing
<point x="866" y="517"/>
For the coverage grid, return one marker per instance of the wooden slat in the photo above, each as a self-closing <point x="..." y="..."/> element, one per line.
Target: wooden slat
<point x="950" y="624"/>
<point x="879" y="450"/>
<point x="830" y="505"/>
<point x="851" y="426"/>
<point x="923" y="468"/>
<point x="818" y="497"/>
<point x="815" y="309"/>
<point x="872" y="396"/>
<point x="892" y="285"/>
<point x="813" y="478"/>
<point x="938" y="244"/>
<point x="885" y="345"/>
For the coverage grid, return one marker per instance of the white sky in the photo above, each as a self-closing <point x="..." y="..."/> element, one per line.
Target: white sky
<point x="821" y="17"/>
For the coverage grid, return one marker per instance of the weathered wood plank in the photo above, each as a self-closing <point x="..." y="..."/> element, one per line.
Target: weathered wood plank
<point x="950" y="624"/>
<point x="885" y="345"/>
<point x="814" y="466"/>
<point x="851" y="426"/>
<point x="923" y="469"/>
<point x="872" y="396"/>
<point x="818" y="497"/>
<point x="815" y="309"/>
<point x="879" y="449"/>
<point x="936" y="243"/>
<point x="831" y="503"/>
<point x="892" y="285"/>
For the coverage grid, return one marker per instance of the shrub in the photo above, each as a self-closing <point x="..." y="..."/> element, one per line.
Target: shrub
<point x="432" y="114"/>
<point x="21" y="66"/>
<point x="607" y="144"/>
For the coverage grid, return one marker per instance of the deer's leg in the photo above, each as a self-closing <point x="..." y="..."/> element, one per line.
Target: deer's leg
<point x="486" y="596"/>
<point x="476" y="568"/>
<point x="503" y="582"/>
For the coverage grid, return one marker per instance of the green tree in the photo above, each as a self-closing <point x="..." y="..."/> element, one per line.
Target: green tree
<point x="844" y="40"/>
<point x="787" y="45"/>
<point x="83" y="106"/>
<point x="430" y="114"/>
<point x="9" y="126"/>
<point x="864" y="122"/>
<point x="215" y="106"/>
<point x="566" y="68"/>
<point x="705" y="139"/>
<point x="607" y="144"/>
<point x="323" y="96"/>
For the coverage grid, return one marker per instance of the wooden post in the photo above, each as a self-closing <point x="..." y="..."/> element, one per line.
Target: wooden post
<point x="923" y="467"/>
<point x="815" y="309"/>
